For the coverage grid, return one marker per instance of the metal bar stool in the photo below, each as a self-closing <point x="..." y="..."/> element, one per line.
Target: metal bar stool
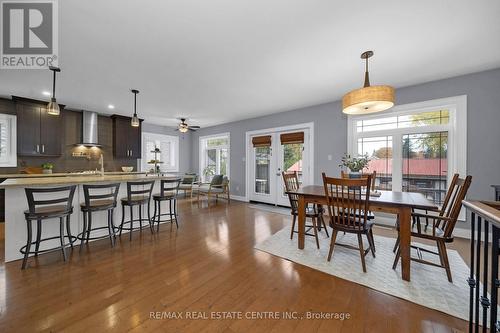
<point x="44" y="209"/>
<point x="98" y="198"/>
<point x="169" y="189"/>
<point x="138" y="194"/>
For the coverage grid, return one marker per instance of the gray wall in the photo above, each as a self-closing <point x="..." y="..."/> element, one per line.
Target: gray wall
<point x="184" y="143"/>
<point x="330" y="127"/>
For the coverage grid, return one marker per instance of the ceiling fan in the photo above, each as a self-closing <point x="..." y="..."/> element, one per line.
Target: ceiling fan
<point x="183" y="127"/>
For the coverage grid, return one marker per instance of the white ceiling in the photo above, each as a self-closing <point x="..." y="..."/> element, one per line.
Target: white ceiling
<point x="223" y="60"/>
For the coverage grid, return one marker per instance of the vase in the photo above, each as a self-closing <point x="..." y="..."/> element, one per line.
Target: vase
<point x="47" y="171"/>
<point x="355" y="174"/>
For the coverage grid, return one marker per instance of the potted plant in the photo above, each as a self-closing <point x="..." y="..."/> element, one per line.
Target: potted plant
<point x="47" y="167"/>
<point x="355" y="164"/>
<point x="209" y="172"/>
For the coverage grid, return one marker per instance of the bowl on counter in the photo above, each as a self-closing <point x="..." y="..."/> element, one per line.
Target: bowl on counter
<point x="127" y="168"/>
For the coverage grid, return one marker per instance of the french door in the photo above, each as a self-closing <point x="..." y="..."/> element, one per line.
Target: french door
<point x="272" y="153"/>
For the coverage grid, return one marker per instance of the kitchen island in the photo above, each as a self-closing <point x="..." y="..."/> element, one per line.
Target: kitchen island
<point x="16" y="203"/>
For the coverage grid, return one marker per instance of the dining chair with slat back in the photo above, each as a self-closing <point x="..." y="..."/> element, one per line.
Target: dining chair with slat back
<point x="442" y="225"/>
<point x="315" y="213"/>
<point x="348" y="202"/>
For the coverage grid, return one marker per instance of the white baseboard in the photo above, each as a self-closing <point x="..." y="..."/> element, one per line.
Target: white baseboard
<point x="238" y="198"/>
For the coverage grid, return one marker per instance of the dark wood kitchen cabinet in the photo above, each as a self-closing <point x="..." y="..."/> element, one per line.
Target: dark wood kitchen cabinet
<point x="38" y="133"/>
<point x="126" y="139"/>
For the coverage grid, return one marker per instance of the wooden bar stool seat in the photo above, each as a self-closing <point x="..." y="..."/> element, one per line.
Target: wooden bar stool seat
<point x="41" y="209"/>
<point x="98" y="198"/>
<point x="169" y="189"/>
<point x="138" y="194"/>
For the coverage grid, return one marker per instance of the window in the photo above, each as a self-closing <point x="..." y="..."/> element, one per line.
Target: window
<point x="167" y="152"/>
<point x="8" y="149"/>
<point x="214" y="156"/>
<point x="414" y="147"/>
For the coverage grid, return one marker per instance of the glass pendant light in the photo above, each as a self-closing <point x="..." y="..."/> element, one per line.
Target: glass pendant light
<point x="368" y="99"/>
<point x="53" y="107"/>
<point x="135" y="120"/>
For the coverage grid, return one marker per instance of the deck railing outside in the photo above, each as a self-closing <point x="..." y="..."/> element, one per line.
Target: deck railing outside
<point x="485" y="218"/>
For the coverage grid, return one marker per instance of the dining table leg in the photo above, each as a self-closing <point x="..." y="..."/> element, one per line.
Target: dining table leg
<point x="302" y="221"/>
<point x="405" y="238"/>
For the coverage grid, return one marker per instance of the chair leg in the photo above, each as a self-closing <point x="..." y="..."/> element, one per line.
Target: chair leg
<point x="315" y="227"/>
<point x="369" y="236"/>
<point x="89" y="227"/>
<point x="170" y="211"/>
<point x="131" y="222"/>
<point x="332" y="244"/>
<point x="84" y="232"/>
<point x="362" y="252"/>
<point x="123" y="219"/>
<point x="61" y="237"/>
<point x="140" y="217"/>
<point x="38" y="235"/>
<point x="159" y="214"/>
<point x="396" y="245"/>
<point x="110" y="228"/>
<point x="28" y="245"/>
<point x="150" y="220"/>
<point x="396" y="259"/>
<point x="293" y="226"/>
<point x="68" y="230"/>
<point x="175" y="213"/>
<point x="324" y="225"/>
<point x="444" y="258"/>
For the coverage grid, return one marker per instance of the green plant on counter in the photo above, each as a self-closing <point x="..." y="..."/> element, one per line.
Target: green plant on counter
<point x="355" y="164"/>
<point x="47" y="166"/>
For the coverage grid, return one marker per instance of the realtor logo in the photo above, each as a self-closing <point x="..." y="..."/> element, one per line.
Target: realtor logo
<point x="29" y="34"/>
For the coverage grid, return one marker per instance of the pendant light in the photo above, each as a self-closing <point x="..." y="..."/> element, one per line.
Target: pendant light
<point x="368" y="99"/>
<point x="53" y="107"/>
<point x="135" y="120"/>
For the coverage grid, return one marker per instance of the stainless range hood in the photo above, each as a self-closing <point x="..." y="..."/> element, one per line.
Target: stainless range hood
<point x="89" y="130"/>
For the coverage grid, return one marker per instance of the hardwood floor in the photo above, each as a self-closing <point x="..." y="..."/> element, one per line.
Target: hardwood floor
<point x="206" y="266"/>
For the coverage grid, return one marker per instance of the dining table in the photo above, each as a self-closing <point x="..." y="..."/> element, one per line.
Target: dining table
<point x="399" y="203"/>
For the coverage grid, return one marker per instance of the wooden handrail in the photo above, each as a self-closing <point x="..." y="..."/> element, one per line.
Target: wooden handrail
<point x="487" y="209"/>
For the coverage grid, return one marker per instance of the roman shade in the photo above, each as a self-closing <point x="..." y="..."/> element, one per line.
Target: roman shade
<point x="296" y="137"/>
<point x="261" y="141"/>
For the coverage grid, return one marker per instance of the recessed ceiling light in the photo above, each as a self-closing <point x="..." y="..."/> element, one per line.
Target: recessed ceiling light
<point x="46" y="93"/>
<point x="111" y="106"/>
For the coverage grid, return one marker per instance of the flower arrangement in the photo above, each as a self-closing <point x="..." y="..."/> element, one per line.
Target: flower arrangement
<point x="355" y="164"/>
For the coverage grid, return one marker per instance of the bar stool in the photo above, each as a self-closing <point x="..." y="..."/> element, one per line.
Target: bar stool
<point x="98" y="198"/>
<point x="138" y="194"/>
<point x="169" y="189"/>
<point x="44" y="209"/>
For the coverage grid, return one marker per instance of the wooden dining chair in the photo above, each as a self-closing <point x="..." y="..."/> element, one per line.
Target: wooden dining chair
<point x="441" y="223"/>
<point x="315" y="213"/>
<point x="348" y="201"/>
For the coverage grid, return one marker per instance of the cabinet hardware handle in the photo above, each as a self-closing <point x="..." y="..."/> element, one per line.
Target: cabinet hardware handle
<point x="43" y="148"/>
<point x="37" y="148"/>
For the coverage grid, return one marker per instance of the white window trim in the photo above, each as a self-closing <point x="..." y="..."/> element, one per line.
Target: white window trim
<point x="161" y="137"/>
<point x="457" y="132"/>
<point x="201" y="152"/>
<point x="11" y="159"/>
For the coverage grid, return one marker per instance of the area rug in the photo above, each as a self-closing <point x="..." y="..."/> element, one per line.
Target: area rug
<point x="429" y="285"/>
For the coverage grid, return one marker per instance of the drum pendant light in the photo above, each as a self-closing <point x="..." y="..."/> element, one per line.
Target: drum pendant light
<point x="53" y="107"/>
<point x="135" y="120"/>
<point x="368" y="99"/>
